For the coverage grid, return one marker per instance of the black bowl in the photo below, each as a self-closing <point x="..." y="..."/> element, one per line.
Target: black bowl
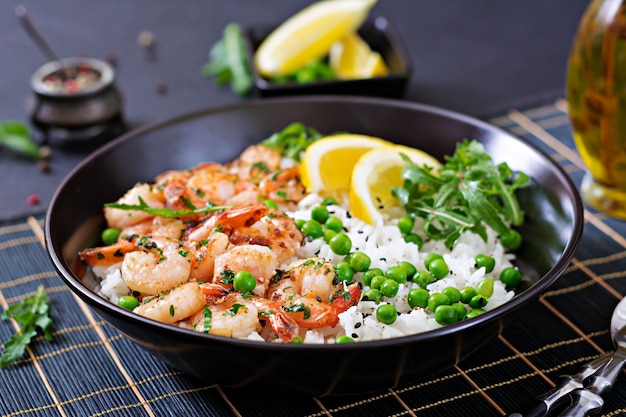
<point x="551" y="233"/>
<point x="379" y="35"/>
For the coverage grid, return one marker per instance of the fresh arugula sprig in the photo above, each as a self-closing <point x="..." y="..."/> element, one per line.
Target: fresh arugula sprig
<point x="32" y="313"/>
<point x="16" y="135"/>
<point x="164" y="211"/>
<point x="228" y="61"/>
<point x="466" y="193"/>
<point x="292" y="140"/>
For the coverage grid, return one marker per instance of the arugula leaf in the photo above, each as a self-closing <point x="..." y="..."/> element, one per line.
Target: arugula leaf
<point x="32" y="313"/>
<point x="228" y="61"/>
<point x="292" y="140"/>
<point x="16" y="135"/>
<point x="466" y="193"/>
<point x="164" y="212"/>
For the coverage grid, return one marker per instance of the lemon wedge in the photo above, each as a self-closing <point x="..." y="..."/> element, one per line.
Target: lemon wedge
<point x="352" y="58"/>
<point x="309" y="34"/>
<point x="328" y="162"/>
<point x="373" y="176"/>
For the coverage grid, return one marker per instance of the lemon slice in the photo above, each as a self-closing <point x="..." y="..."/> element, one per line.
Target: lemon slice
<point x="352" y="58"/>
<point x="375" y="173"/>
<point x="309" y="34"/>
<point x="327" y="163"/>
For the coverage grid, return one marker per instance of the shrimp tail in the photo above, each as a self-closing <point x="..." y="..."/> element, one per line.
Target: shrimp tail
<point x="344" y="299"/>
<point x="107" y="255"/>
<point x="214" y="291"/>
<point x="284" y="326"/>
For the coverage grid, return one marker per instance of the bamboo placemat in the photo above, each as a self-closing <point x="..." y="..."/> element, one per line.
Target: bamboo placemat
<point x="89" y="369"/>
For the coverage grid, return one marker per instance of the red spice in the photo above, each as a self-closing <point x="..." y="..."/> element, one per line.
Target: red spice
<point x="33" y="199"/>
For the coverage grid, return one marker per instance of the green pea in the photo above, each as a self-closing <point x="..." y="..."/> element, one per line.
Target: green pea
<point x="329" y="201"/>
<point x="461" y="311"/>
<point x="389" y="288"/>
<point x="439" y="268"/>
<point x="418" y="297"/>
<point x="329" y="234"/>
<point x="271" y="204"/>
<point x="511" y="277"/>
<point x="474" y="312"/>
<point x="344" y="272"/>
<point x="334" y="223"/>
<point x="452" y="293"/>
<point x="405" y="224"/>
<point x="485" y="261"/>
<point x="437" y="299"/>
<point x="386" y="313"/>
<point x="409" y="268"/>
<point x="478" y="301"/>
<point x="485" y="287"/>
<point x="340" y="244"/>
<point x="319" y="214"/>
<point x="414" y="238"/>
<point x="371" y="273"/>
<point x="377" y="280"/>
<point x="372" y="295"/>
<point x="128" y="302"/>
<point x="445" y="314"/>
<point x="511" y="240"/>
<point x="305" y="75"/>
<point x="343" y="339"/>
<point x="423" y="278"/>
<point x="244" y="281"/>
<point x="299" y="223"/>
<point x="109" y="236"/>
<point x="467" y="293"/>
<point x="396" y="273"/>
<point x="312" y="229"/>
<point x="431" y="257"/>
<point x="359" y="261"/>
<point x="297" y="340"/>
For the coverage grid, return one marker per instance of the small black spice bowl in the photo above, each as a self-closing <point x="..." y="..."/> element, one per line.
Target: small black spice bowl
<point x="379" y="35"/>
<point x="76" y="101"/>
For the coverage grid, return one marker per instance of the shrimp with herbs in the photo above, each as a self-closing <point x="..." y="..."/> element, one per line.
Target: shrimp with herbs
<point x="173" y="305"/>
<point x="307" y="291"/>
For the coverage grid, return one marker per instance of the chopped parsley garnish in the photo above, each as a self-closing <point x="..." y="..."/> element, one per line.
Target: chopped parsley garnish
<point x="32" y="313"/>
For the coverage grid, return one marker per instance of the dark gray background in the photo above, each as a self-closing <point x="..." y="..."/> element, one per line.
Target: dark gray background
<point x="479" y="57"/>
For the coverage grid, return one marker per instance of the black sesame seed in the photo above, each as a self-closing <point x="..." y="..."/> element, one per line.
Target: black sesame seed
<point x="357" y="325"/>
<point x="360" y="232"/>
<point x="355" y="336"/>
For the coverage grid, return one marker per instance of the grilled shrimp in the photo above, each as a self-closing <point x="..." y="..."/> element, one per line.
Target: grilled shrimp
<point x="119" y="218"/>
<point x="160" y="265"/>
<point x="258" y="260"/>
<point x="275" y="230"/>
<point x="306" y="291"/>
<point x="239" y="315"/>
<point x="173" y="305"/>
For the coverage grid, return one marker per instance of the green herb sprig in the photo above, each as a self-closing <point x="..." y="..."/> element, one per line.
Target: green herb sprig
<point x="228" y="61"/>
<point x="466" y="193"/>
<point x="164" y="211"/>
<point x="16" y="135"/>
<point x="292" y="140"/>
<point x="32" y="313"/>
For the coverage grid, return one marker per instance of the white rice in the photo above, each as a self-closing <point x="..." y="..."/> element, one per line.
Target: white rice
<point x="385" y="246"/>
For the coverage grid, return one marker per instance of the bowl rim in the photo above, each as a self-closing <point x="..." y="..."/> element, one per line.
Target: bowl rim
<point x="517" y="302"/>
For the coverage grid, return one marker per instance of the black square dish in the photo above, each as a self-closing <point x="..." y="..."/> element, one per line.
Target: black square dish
<point x="379" y="35"/>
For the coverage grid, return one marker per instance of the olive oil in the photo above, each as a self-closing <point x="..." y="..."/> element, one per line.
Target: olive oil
<point x="596" y="96"/>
